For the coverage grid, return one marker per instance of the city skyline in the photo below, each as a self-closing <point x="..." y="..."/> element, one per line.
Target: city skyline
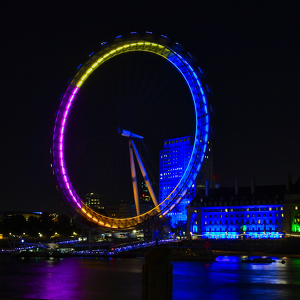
<point x="248" y="51"/>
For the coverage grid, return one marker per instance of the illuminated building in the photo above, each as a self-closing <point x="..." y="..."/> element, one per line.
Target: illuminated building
<point x="144" y="192"/>
<point x="172" y="163"/>
<point x="94" y="201"/>
<point x="252" y="212"/>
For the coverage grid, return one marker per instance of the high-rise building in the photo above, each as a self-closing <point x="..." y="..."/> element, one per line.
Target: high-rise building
<point x="94" y="201"/>
<point x="173" y="161"/>
<point x="144" y="192"/>
<point x="206" y="174"/>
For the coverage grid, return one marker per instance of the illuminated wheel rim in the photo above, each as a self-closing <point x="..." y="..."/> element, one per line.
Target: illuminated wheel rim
<point x="192" y="75"/>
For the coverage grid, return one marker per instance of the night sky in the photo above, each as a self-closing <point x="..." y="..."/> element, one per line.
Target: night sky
<point x="249" y="51"/>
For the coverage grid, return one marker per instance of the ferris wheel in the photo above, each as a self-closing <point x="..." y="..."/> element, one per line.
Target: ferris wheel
<point x="183" y="64"/>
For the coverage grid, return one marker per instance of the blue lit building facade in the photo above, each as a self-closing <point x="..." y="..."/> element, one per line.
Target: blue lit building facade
<point x="173" y="161"/>
<point x="252" y="212"/>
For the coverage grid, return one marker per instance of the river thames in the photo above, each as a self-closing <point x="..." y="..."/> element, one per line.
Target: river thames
<point x="98" y="278"/>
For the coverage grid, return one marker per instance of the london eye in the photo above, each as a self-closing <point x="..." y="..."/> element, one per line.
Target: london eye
<point x="182" y="65"/>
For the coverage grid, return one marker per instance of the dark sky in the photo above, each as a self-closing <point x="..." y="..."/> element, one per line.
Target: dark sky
<point x="249" y="51"/>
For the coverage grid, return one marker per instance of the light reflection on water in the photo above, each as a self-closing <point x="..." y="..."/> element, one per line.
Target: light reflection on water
<point x="91" y="278"/>
<point x="228" y="278"/>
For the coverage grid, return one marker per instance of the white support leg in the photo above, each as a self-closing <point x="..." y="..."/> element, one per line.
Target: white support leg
<point x="144" y="173"/>
<point x="134" y="180"/>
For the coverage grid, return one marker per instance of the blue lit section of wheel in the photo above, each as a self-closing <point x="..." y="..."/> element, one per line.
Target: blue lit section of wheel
<point x="192" y="74"/>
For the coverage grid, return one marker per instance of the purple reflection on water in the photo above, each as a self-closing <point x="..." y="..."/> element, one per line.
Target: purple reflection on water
<point x="71" y="278"/>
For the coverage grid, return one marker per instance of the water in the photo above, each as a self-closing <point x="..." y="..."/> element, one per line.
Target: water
<point x="97" y="278"/>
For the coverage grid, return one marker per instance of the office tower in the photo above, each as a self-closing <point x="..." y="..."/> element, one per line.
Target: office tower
<point x="173" y="161"/>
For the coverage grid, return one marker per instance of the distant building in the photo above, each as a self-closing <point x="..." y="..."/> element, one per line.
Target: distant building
<point x="173" y="161"/>
<point x="251" y="212"/>
<point x="94" y="201"/>
<point x="144" y="194"/>
<point x="206" y="174"/>
<point x="127" y="208"/>
<point x="111" y="211"/>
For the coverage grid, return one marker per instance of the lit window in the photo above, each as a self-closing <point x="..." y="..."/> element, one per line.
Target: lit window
<point x="296" y="207"/>
<point x="270" y="208"/>
<point x="258" y="221"/>
<point x="247" y="216"/>
<point x="282" y="215"/>
<point x="226" y="210"/>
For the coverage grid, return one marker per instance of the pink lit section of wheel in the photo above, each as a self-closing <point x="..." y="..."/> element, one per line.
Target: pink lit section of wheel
<point x="192" y="75"/>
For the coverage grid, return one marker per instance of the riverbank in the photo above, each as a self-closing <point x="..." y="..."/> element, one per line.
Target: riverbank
<point x="237" y="253"/>
<point x="281" y="247"/>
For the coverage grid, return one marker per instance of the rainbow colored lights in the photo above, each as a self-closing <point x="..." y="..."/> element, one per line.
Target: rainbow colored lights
<point x="191" y="75"/>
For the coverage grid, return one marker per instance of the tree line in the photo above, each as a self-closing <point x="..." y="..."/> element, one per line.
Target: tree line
<point x="44" y="226"/>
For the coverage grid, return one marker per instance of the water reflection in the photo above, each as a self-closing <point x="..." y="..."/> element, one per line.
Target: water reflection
<point x="84" y="278"/>
<point x="71" y="278"/>
<point x="228" y="278"/>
